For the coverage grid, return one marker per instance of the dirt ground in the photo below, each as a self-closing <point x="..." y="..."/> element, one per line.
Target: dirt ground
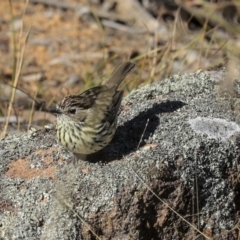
<point x="68" y="51"/>
<point x="63" y="54"/>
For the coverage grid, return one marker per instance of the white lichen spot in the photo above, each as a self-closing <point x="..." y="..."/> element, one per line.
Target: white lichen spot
<point x="215" y="128"/>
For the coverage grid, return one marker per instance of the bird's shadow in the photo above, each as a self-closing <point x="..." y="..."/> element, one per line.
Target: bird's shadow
<point x="127" y="137"/>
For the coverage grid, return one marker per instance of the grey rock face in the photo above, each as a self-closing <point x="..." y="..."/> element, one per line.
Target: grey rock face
<point x="178" y="135"/>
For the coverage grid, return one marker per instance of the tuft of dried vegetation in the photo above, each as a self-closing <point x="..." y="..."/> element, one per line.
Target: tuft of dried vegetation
<point x="74" y="45"/>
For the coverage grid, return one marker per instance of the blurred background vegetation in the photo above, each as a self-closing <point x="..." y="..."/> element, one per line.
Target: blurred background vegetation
<point x="51" y="48"/>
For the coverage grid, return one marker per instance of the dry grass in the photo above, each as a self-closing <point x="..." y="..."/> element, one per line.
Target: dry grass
<point x="185" y="51"/>
<point x="17" y="66"/>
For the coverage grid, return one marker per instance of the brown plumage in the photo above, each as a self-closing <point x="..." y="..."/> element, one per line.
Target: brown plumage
<point x="86" y="123"/>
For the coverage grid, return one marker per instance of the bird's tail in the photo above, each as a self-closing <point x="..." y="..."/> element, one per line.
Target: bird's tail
<point x="119" y="74"/>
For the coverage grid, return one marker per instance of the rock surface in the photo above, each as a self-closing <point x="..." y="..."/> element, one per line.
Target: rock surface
<point x="178" y="137"/>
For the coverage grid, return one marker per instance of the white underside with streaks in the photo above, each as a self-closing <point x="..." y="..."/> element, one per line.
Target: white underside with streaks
<point x="86" y="140"/>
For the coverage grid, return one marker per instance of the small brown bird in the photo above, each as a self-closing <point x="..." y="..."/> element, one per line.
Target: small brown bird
<point x="86" y="123"/>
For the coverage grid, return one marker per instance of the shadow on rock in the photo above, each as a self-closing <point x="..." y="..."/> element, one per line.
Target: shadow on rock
<point x="127" y="137"/>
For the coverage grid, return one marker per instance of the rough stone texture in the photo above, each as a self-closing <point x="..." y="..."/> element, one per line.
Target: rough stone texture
<point x="46" y="195"/>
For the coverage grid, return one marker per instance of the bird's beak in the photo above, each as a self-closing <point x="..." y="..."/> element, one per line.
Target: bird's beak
<point x="56" y="111"/>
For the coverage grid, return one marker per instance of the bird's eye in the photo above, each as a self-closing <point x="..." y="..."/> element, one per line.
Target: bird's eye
<point x="72" y="111"/>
